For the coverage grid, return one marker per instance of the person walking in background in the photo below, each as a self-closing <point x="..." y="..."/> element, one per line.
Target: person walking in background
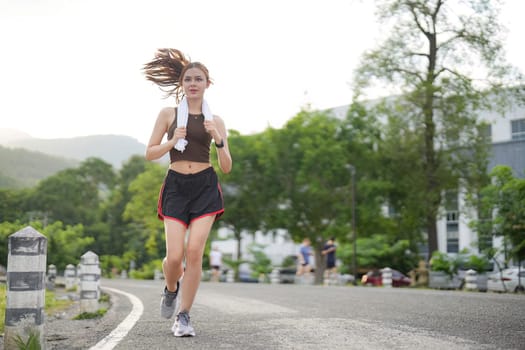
<point x="215" y="264"/>
<point x="305" y="252"/>
<point x="190" y="198"/>
<point x="328" y="251"/>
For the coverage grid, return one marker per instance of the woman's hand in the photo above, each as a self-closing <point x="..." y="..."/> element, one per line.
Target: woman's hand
<point x="211" y="127"/>
<point x="180" y="133"/>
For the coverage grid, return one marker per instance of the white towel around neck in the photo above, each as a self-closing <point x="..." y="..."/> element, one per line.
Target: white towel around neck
<point x="182" y="119"/>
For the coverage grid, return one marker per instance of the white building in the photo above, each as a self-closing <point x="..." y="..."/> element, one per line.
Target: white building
<point x="508" y="148"/>
<point x="454" y="234"/>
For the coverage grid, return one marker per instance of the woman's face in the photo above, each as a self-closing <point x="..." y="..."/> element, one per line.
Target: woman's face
<point x="194" y="83"/>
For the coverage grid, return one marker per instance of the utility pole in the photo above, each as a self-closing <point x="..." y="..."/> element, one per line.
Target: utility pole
<point x="354" y="232"/>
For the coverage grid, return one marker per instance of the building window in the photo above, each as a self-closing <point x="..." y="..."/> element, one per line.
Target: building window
<point x="452" y="238"/>
<point x="487" y="132"/>
<point x="518" y="129"/>
<point x="452" y="208"/>
<point x="485" y="229"/>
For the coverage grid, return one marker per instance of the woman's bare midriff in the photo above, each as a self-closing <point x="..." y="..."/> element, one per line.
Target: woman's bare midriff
<point x="188" y="167"/>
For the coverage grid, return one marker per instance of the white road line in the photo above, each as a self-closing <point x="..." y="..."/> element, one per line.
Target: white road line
<point x="124" y="327"/>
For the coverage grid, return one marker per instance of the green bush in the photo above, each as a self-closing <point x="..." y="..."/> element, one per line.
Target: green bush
<point x="147" y="271"/>
<point x="90" y="315"/>
<point x="32" y="342"/>
<point x="2" y="306"/>
<point x="463" y="260"/>
<point x="479" y="263"/>
<point x="442" y="262"/>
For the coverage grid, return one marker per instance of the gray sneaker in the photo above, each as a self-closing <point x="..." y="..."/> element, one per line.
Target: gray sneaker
<point x="169" y="302"/>
<point x="182" y="326"/>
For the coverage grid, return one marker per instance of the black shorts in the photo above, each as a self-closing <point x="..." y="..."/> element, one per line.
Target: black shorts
<point x="187" y="197"/>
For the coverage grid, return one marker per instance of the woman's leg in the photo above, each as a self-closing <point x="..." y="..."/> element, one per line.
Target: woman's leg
<point x="172" y="264"/>
<point x="199" y="231"/>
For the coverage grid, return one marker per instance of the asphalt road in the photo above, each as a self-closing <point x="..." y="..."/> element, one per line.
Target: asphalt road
<point x="264" y="316"/>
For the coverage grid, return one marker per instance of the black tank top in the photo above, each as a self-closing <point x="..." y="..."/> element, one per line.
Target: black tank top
<point x="199" y="141"/>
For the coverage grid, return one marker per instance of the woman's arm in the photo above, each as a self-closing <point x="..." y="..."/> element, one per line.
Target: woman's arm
<point x="155" y="148"/>
<point x="217" y="129"/>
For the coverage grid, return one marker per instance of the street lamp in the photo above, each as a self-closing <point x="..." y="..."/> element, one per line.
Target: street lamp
<point x="354" y="255"/>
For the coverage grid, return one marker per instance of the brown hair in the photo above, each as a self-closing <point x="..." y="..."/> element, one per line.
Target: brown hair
<point x="167" y="70"/>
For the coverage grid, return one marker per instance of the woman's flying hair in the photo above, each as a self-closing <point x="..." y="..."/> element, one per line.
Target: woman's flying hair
<point x="167" y="69"/>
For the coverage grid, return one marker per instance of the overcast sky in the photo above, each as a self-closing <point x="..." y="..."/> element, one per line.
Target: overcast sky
<point x="72" y="67"/>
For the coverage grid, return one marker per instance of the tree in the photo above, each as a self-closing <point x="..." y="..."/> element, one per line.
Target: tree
<point x="504" y="199"/>
<point x="309" y="169"/>
<point x="432" y="58"/>
<point x="65" y="243"/>
<point x="6" y="229"/>
<point x="120" y="230"/>
<point x="73" y="196"/>
<point x="361" y="137"/>
<point x="401" y="167"/>
<point x="147" y="237"/>
<point x="12" y="203"/>
<point x="245" y="189"/>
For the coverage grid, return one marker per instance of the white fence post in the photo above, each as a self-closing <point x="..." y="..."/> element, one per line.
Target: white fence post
<point x="78" y="270"/>
<point x="274" y="276"/>
<point x="89" y="282"/>
<point x="230" y="276"/>
<point x="26" y="292"/>
<point x="51" y="277"/>
<point x="386" y="276"/>
<point x="471" y="280"/>
<point x="70" y="276"/>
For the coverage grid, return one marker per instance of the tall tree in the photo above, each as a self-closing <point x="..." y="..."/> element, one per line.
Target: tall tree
<point x="12" y="204"/>
<point x="147" y="239"/>
<point x="361" y="135"/>
<point x="120" y="230"/>
<point x="243" y="188"/>
<point x="446" y="61"/>
<point x="73" y="196"/>
<point x="65" y="245"/>
<point x="503" y="200"/>
<point x="309" y="167"/>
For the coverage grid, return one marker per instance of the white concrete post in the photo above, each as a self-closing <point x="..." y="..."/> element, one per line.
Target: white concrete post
<point x="386" y="276"/>
<point x="274" y="276"/>
<point x="26" y="293"/>
<point x="89" y="282"/>
<point x="157" y="275"/>
<point x="78" y="275"/>
<point x="70" y="276"/>
<point x="51" y="277"/>
<point x="471" y="280"/>
<point x="230" y="276"/>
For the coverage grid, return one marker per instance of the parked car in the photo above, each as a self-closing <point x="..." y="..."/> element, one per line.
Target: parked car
<point x="375" y="278"/>
<point x="508" y="280"/>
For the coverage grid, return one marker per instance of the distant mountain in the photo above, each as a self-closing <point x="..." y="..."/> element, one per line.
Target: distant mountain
<point x="114" y="149"/>
<point x="9" y="135"/>
<point x="21" y="168"/>
<point x="24" y="160"/>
